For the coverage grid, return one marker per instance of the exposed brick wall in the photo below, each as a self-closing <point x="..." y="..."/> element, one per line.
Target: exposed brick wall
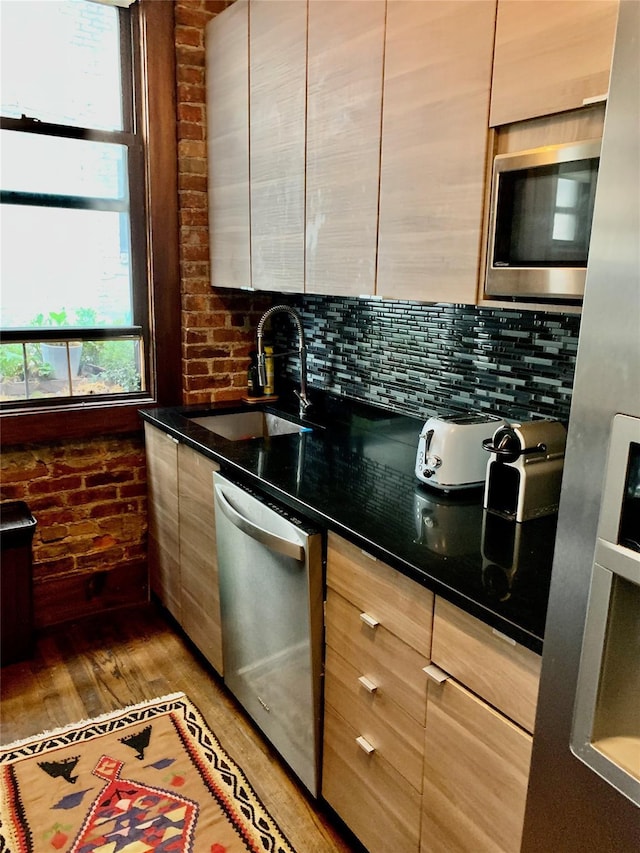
<point x="218" y="328"/>
<point x="89" y="499"/>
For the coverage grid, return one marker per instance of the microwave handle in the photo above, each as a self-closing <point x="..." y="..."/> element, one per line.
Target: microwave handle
<point x="269" y="540"/>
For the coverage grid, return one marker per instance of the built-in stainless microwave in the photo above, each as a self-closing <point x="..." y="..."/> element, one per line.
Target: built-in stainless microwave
<point x="540" y="222"/>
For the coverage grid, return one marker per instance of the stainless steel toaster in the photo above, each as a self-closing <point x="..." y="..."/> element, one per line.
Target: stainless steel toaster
<point x="450" y="454"/>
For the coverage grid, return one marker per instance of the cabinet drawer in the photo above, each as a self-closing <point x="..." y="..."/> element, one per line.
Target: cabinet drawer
<point x="402" y="606"/>
<point x="502" y="672"/>
<point x="379" y="655"/>
<point x="384" y="724"/>
<point x="476" y="771"/>
<point x="374" y="800"/>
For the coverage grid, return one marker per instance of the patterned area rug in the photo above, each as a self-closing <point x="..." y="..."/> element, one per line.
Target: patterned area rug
<point x="149" y="777"/>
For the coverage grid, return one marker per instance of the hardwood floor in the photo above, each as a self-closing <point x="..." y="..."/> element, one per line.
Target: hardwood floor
<point x="97" y="665"/>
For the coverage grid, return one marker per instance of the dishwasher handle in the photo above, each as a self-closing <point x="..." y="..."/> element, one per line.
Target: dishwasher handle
<point x="269" y="540"/>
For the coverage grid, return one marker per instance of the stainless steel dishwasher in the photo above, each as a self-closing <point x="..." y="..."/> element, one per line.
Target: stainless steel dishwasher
<point x="271" y="601"/>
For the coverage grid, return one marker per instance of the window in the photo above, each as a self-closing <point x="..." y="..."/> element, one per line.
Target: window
<point x="573" y="206"/>
<point x="74" y="307"/>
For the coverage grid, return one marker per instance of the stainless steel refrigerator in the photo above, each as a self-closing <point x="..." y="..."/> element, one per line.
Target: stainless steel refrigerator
<point x="585" y="774"/>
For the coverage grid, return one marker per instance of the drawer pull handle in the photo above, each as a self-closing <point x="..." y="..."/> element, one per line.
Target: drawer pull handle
<point x="364" y="745"/>
<point x="369" y="620"/>
<point x="436" y="674"/>
<point x="368" y="685"/>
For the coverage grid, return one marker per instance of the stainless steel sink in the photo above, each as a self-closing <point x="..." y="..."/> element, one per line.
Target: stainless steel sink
<point x="242" y="426"/>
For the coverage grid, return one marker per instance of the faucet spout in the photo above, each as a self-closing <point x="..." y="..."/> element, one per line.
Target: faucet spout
<point x="302" y="352"/>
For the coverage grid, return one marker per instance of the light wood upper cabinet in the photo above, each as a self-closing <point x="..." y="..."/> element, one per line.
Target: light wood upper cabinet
<point x="227" y="48"/>
<point x="438" y="61"/>
<point x="277" y="142"/>
<point x="550" y="56"/>
<point x="344" y="101"/>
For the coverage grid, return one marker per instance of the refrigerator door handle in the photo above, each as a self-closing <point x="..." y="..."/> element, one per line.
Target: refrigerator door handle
<point x="269" y="540"/>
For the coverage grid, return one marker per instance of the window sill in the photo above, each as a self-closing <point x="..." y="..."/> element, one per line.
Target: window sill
<point x="68" y="422"/>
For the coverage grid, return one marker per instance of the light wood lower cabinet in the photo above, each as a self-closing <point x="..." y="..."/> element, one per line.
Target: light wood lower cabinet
<point x="503" y="672"/>
<point x="198" y="554"/>
<point x="393" y="666"/>
<point x="477" y="758"/>
<point x="476" y="770"/>
<point x="382" y="722"/>
<point x="183" y="562"/>
<point x="393" y="600"/>
<point x="377" y="803"/>
<point x="375" y="698"/>
<point x="413" y="763"/>
<point x="162" y="508"/>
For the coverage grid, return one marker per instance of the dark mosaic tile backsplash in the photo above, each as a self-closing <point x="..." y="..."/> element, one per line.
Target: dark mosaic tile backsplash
<point x="422" y="359"/>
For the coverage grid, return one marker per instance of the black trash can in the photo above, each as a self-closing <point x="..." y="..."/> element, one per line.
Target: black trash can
<point x="17" y="527"/>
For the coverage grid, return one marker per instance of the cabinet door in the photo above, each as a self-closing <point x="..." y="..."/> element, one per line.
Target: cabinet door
<point x="495" y="667"/>
<point x="277" y="133"/>
<point x="198" y="554"/>
<point x="227" y="50"/>
<point x="476" y="771"/>
<point x="164" y="534"/>
<point x="438" y="60"/>
<point x="550" y="56"/>
<point x="346" y="43"/>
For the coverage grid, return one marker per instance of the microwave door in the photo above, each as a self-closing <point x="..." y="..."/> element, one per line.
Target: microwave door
<point x="540" y="225"/>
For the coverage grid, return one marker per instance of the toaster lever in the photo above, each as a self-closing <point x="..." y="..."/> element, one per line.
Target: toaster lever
<point x="427" y="440"/>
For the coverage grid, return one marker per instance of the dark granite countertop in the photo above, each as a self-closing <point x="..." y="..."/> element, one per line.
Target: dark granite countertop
<point x="353" y="473"/>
